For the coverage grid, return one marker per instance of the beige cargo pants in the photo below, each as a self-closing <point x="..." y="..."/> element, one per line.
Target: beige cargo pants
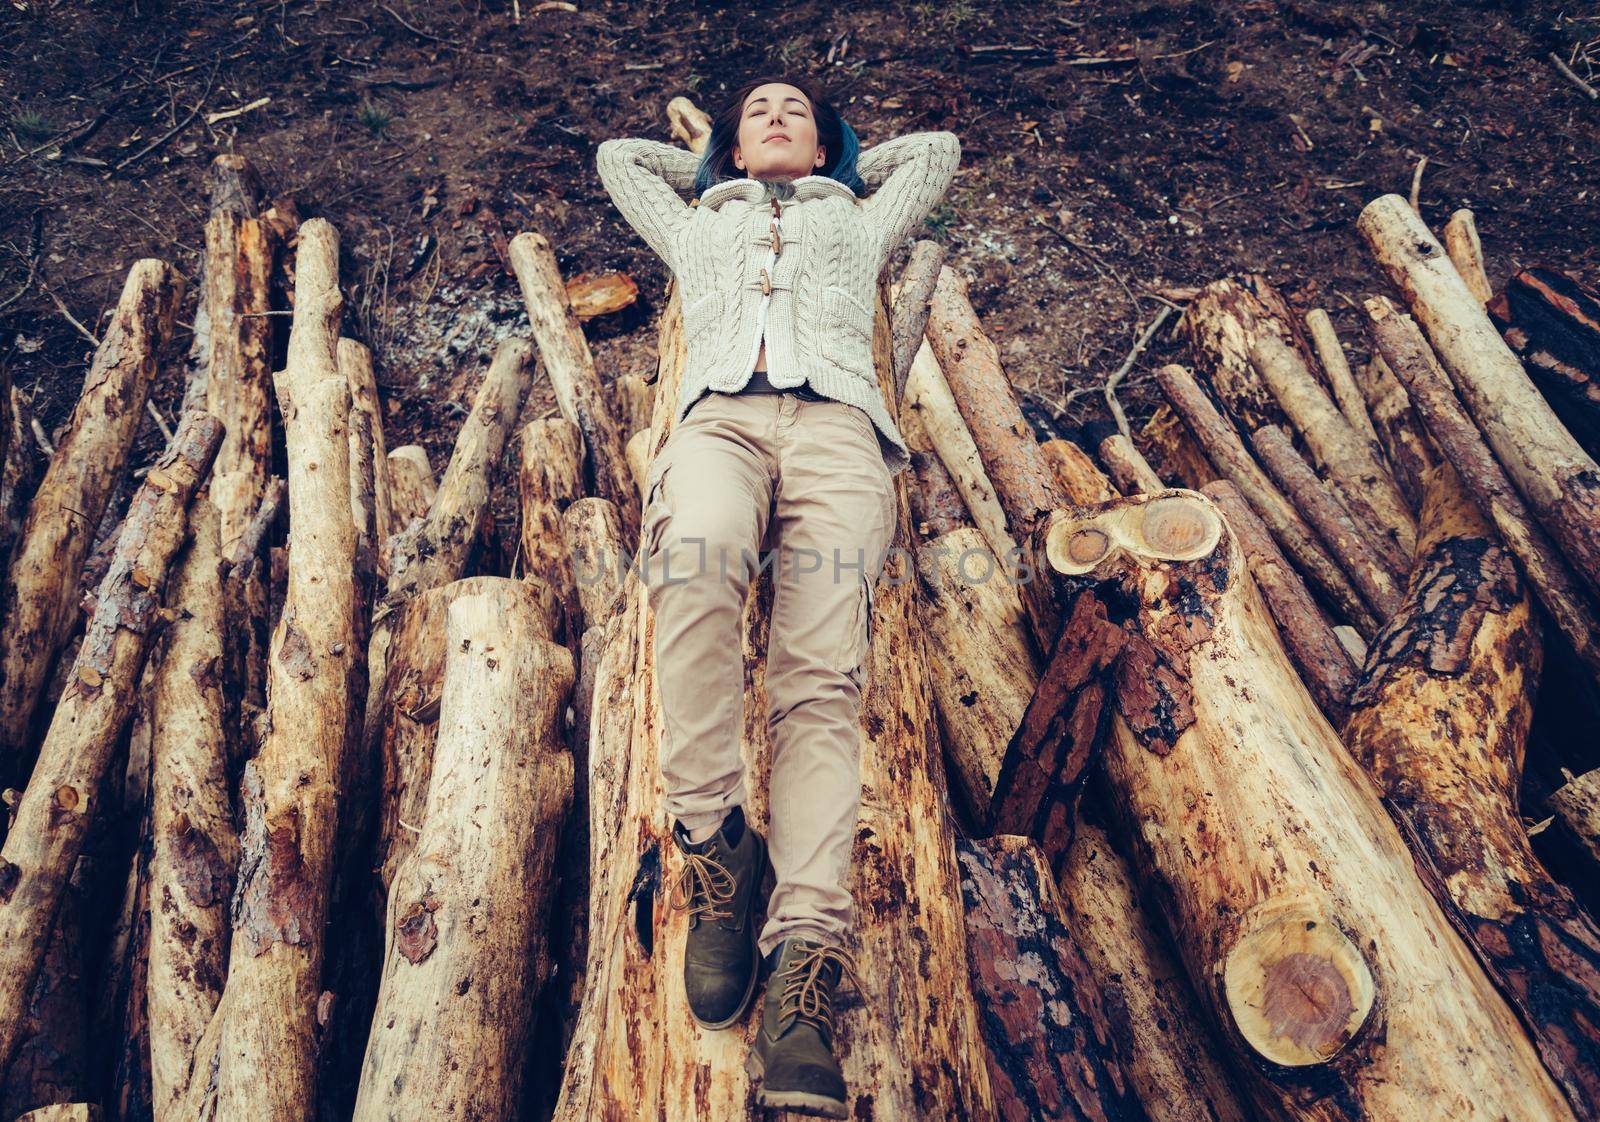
<point x="741" y="473"/>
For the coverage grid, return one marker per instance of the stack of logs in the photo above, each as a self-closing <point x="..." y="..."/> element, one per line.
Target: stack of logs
<point x="380" y="817"/>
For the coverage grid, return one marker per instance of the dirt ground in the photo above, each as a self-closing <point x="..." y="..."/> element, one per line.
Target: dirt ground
<point x="1111" y="149"/>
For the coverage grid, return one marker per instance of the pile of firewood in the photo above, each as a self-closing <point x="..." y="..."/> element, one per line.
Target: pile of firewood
<point x="1178" y="803"/>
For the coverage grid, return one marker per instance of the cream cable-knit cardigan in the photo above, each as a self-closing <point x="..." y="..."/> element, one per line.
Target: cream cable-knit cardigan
<point x="815" y="304"/>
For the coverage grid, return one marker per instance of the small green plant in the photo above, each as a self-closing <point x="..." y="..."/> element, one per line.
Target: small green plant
<point x="374" y="115"/>
<point x="939" y="221"/>
<point x="32" y="127"/>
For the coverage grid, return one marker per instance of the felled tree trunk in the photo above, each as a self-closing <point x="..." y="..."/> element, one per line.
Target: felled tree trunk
<point x="232" y="349"/>
<point x="356" y="363"/>
<point x="290" y="789"/>
<point x="910" y="1046"/>
<point x="550" y="480"/>
<point x="63" y="1112"/>
<point x="1224" y="323"/>
<point x="1466" y="253"/>
<point x="194" y="852"/>
<point x="1167" y="1046"/>
<point x="1020" y="472"/>
<point x="1310" y="640"/>
<point x="1294" y="900"/>
<point x="1577" y="807"/>
<point x="1222" y="444"/>
<point x="1330" y="353"/>
<point x="566" y="356"/>
<point x="411" y="485"/>
<point x="1440" y="719"/>
<point x="928" y="399"/>
<point x="1348" y="462"/>
<point x="1175" y="454"/>
<point x="1032" y="983"/>
<point x="1558" y="478"/>
<point x="1369" y="559"/>
<point x="980" y="663"/>
<point x="1462" y="444"/>
<point x="61" y="798"/>
<point x="471" y="902"/>
<point x="39" y="599"/>
<point x="1405" y="447"/>
<point x="18" y="473"/>
<point x="1552" y="320"/>
<point x="409" y="716"/>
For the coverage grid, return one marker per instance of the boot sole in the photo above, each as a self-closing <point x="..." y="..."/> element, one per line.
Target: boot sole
<point x="755" y="957"/>
<point x="797" y="1102"/>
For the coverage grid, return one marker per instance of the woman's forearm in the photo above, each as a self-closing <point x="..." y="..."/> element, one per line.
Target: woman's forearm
<point x="876" y="164"/>
<point x="635" y="156"/>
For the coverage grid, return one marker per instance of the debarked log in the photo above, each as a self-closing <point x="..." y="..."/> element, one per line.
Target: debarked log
<point x="1295" y="902"/>
<point x="465" y="954"/>
<point x="1440" y="718"/>
<point x="54" y="813"/>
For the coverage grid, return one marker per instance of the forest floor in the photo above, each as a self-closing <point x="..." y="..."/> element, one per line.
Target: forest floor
<point x="1112" y="151"/>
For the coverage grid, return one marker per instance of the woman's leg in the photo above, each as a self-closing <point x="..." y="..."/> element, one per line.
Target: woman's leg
<point x="835" y="512"/>
<point x="707" y="499"/>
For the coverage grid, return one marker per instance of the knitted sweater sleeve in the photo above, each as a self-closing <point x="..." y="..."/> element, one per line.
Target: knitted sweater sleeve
<point x="907" y="176"/>
<point x="649" y="182"/>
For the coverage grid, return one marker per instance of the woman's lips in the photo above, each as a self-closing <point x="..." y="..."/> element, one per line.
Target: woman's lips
<point x="776" y="136"/>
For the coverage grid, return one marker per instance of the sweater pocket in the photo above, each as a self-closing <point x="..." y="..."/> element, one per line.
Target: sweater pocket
<point x="847" y="333"/>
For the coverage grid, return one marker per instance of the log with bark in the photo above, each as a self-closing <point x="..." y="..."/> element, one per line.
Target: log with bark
<point x="1440" y="718"/>
<point x="1223" y="323"/>
<point x="1405" y="443"/>
<point x="38" y="602"/>
<point x="232" y="348"/>
<point x="465" y="954"/>
<point x="1552" y="320"/>
<point x="59" y="803"/>
<point x="1296" y="904"/>
<point x="1032" y="985"/>
<point x="910" y="1044"/>
<point x="928" y="399"/>
<point x="289" y="792"/>
<point x="1455" y="436"/>
<point x="1372" y="561"/>
<point x="1347" y="460"/>
<point x="1466" y="253"/>
<point x="549" y="480"/>
<point x="411" y="485"/>
<point x="1173" y="452"/>
<point x="1167" y="1046"/>
<point x="566" y="356"/>
<point x="408" y="716"/>
<point x="194" y="850"/>
<point x="1560" y="481"/>
<point x="1313" y="645"/>
<point x="1018" y="469"/>
<point x="1336" y="368"/>
<point x="1576" y="805"/>
<point x="1298" y="541"/>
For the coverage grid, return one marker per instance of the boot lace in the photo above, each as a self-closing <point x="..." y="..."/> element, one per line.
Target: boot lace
<point x="807" y="993"/>
<point x="702" y="887"/>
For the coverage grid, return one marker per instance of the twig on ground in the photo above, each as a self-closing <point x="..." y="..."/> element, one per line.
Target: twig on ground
<point x="1567" y="72"/>
<point x="1127" y="365"/>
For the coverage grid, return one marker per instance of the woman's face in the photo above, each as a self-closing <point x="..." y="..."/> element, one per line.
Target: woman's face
<point x="777" y="134"/>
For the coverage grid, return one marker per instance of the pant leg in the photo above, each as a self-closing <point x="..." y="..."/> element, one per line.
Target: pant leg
<point x="835" y="507"/>
<point x="707" y="500"/>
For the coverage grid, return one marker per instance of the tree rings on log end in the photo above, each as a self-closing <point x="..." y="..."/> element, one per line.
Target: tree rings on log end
<point x="1172" y="525"/>
<point x="1299" y="991"/>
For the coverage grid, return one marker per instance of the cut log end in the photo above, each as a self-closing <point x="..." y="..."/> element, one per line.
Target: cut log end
<point x="1299" y="991"/>
<point x="1174" y="526"/>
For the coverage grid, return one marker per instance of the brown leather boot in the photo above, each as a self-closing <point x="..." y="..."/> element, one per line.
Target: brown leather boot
<point x="718" y="887"/>
<point x="792" y="1056"/>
